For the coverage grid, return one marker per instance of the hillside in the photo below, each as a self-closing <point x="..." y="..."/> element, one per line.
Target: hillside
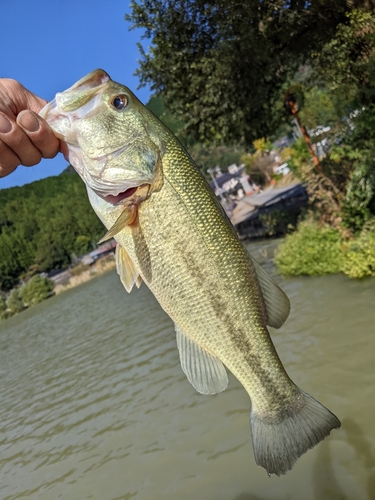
<point x="43" y="225"/>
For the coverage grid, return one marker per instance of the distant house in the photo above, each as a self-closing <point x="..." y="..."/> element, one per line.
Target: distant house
<point x="235" y="183"/>
<point x="246" y="215"/>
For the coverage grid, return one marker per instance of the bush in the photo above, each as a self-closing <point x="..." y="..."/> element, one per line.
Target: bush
<point x="14" y="302"/>
<point x="312" y="250"/>
<point x="36" y="290"/>
<point x="359" y="254"/>
<point x="3" y="308"/>
<point x="277" y="222"/>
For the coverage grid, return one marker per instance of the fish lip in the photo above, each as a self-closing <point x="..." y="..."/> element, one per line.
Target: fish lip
<point x="119" y="198"/>
<point x="94" y="79"/>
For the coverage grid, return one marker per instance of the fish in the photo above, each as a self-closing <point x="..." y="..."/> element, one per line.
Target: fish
<point x="173" y="235"/>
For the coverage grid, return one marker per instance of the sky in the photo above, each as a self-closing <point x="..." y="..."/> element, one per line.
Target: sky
<point x="48" y="45"/>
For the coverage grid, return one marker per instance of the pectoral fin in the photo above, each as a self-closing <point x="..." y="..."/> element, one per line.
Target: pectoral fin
<point x="205" y="372"/>
<point x="127" y="217"/>
<point x="277" y="303"/>
<point x="126" y="270"/>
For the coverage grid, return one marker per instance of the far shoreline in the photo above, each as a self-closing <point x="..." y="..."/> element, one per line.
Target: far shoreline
<point x="101" y="266"/>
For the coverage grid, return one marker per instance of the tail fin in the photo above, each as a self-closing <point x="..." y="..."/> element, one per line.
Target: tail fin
<point x="279" y="441"/>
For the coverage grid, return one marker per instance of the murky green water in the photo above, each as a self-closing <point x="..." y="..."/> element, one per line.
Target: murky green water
<point x="94" y="404"/>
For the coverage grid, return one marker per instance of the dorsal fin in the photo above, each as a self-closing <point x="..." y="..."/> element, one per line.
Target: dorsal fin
<point x="126" y="270"/>
<point x="277" y="303"/>
<point x="205" y="372"/>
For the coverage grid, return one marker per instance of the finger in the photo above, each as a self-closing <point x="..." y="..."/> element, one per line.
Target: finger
<point x="15" y="97"/>
<point x="40" y="133"/>
<point x="17" y="140"/>
<point x="9" y="161"/>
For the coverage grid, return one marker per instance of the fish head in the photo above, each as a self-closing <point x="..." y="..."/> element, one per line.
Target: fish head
<point x="107" y="135"/>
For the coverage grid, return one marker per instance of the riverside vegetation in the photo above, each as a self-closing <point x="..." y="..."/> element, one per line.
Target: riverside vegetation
<point x="225" y="79"/>
<point x="44" y="225"/>
<point x="339" y="233"/>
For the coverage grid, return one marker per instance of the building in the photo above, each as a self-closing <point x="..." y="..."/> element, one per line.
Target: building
<point x="246" y="216"/>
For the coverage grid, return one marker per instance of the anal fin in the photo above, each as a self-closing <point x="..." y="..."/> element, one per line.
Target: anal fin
<point x="205" y="372"/>
<point x="125" y="268"/>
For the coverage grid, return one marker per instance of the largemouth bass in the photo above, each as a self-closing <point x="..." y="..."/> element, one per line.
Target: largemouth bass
<point x="173" y="235"/>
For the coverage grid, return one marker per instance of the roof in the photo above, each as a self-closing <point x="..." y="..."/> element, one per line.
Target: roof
<point x="225" y="178"/>
<point x="247" y="207"/>
<point x="273" y="195"/>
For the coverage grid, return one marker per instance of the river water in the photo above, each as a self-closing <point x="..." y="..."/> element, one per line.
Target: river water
<point x="94" y="404"/>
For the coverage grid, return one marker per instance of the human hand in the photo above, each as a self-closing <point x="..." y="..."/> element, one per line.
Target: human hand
<point x="25" y="138"/>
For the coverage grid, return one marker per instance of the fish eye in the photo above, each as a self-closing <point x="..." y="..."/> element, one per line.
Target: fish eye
<point x="119" y="102"/>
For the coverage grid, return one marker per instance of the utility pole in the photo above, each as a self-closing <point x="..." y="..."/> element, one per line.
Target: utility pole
<point x="292" y="107"/>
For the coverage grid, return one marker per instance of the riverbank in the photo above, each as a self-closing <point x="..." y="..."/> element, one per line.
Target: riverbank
<point x="88" y="273"/>
<point x="38" y="289"/>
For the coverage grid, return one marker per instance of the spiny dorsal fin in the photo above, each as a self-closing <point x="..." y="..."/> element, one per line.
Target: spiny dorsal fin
<point x="126" y="270"/>
<point x="127" y="217"/>
<point x="277" y="303"/>
<point x="205" y="372"/>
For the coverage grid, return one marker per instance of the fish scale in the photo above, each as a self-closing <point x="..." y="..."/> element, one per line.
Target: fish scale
<point x="182" y="245"/>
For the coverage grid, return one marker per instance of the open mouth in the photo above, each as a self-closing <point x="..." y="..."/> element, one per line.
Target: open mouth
<point x="114" y="200"/>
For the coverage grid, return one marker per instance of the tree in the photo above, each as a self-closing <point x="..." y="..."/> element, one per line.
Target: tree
<point x="222" y="66"/>
<point x="42" y="224"/>
<point x="346" y="64"/>
<point x="36" y="290"/>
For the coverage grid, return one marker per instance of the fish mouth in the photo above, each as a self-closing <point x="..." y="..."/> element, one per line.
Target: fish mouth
<point x="116" y="200"/>
<point x="96" y="78"/>
<point x="63" y="110"/>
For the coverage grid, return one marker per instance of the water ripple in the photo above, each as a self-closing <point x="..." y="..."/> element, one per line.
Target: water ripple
<point x="94" y="403"/>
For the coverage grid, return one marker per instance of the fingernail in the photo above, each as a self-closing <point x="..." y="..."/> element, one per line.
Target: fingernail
<point x="5" y="125"/>
<point x="28" y="121"/>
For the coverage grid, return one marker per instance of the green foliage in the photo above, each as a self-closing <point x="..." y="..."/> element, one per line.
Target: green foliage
<point x="315" y="250"/>
<point x="320" y="107"/>
<point x="347" y="62"/>
<point x="36" y="290"/>
<point x="300" y="157"/>
<point x="3" y="308"/>
<point x="277" y="222"/>
<point x="223" y="66"/>
<point x="14" y="302"/>
<point x="43" y="224"/>
<point x="312" y="250"/>
<point x="259" y="165"/>
<point x="157" y="106"/>
<point x="358" y="203"/>
<point x="82" y="244"/>
<point x="221" y="156"/>
<point x="359" y="253"/>
<point x="262" y="145"/>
